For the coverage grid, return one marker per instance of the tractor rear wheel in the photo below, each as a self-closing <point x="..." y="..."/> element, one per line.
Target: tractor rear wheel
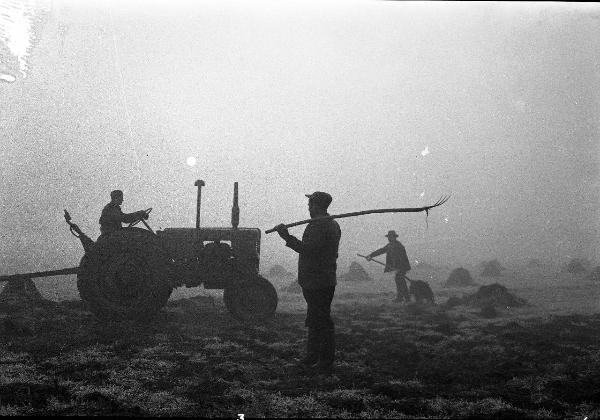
<point x="126" y="276"/>
<point x="253" y="300"/>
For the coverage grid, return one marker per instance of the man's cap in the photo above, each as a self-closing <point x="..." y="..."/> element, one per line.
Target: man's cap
<point x="321" y="198"/>
<point x="392" y="233"/>
<point x="116" y="193"/>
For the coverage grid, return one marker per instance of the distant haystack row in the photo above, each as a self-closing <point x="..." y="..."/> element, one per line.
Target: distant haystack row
<point x="595" y="274"/>
<point x="492" y="269"/>
<point x="460" y="277"/>
<point x="577" y="266"/>
<point x="356" y="273"/>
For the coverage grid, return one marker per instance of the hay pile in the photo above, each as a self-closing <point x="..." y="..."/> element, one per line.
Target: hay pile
<point x="18" y="301"/>
<point x="356" y="273"/>
<point x="453" y="301"/>
<point x="20" y="292"/>
<point x="492" y="269"/>
<point x="278" y="271"/>
<point x="293" y="287"/>
<point x="494" y="295"/>
<point x="488" y="312"/>
<point x="576" y="266"/>
<point x="459" y="277"/>
<point x="487" y="298"/>
<point x="595" y="274"/>
<point x="533" y="263"/>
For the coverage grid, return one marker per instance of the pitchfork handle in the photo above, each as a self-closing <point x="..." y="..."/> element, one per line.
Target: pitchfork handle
<point x="364" y="256"/>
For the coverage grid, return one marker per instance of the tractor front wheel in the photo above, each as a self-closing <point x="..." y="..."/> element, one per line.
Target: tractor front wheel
<point x="253" y="300"/>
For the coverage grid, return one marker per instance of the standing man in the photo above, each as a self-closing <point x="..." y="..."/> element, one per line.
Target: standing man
<point x="317" y="265"/>
<point x="395" y="260"/>
<point x="112" y="216"/>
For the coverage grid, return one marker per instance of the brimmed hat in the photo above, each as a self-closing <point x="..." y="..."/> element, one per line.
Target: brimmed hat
<point x="392" y="233"/>
<point x="321" y="198"/>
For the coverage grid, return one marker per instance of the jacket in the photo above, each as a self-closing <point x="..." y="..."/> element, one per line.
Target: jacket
<point x="318" y="252"/>
<point x="395" y="259"/>
<point x="112" y="217"/>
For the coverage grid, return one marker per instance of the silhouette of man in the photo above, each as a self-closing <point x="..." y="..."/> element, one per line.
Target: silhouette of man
<point x="317" y="265"/>
<point x="395" y="260"/>
<point x="112" y="217"/>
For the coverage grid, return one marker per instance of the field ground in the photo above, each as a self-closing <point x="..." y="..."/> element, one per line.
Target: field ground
<point x="537" y="361"/>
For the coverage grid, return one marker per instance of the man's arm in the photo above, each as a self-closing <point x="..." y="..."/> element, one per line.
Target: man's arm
<point x="378" y="252"/>
<point x="131" y="217"/>
<point x="311" y="243"/>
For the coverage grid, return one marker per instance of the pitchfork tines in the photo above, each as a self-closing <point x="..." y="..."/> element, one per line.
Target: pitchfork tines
<point x="441" y="201"/>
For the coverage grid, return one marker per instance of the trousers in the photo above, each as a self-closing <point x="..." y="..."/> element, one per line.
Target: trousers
<point x="318" y="312"/>
<point x="401" y="288"/>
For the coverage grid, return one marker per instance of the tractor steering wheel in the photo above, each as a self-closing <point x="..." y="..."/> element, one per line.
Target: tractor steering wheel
<point x="146" y="214"/>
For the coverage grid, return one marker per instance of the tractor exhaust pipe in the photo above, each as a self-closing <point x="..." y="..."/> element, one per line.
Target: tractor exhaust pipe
<point x="198" y="184"/>
<point x="235" y="210"/>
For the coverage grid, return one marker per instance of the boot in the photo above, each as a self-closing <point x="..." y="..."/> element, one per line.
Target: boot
<point x="326" y="351"/>
<point x="312" y="348"/>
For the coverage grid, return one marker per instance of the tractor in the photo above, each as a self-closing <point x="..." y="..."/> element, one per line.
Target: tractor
<point x="130" y="273"/>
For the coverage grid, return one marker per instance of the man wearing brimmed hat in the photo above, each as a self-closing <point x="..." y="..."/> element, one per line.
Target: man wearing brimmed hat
<point x="395" y="260"/>
<point x="317" y="265"/>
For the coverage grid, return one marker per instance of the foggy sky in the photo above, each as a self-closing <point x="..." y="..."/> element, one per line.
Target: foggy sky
<point x="381" y="104"/>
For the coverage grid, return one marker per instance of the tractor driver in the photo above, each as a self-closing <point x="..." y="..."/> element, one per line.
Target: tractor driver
<point x="112" y="216"/>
